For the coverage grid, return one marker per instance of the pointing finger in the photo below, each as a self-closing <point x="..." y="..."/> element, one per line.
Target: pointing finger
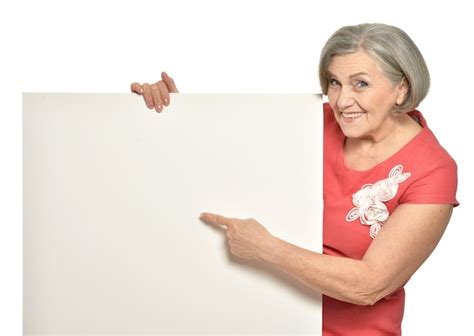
<point x="215" y="219"/>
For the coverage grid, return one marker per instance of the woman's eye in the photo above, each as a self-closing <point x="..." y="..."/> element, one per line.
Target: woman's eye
<point x="333" y="82"/>
<point x="361" y="84"/>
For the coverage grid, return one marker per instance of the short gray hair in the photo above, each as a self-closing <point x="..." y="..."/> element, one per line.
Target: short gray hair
<point x="391" y="47"/>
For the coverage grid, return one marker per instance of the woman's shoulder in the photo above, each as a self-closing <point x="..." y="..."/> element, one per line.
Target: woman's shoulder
<point x="431" y="170"/>
<point x="429" y="144"/>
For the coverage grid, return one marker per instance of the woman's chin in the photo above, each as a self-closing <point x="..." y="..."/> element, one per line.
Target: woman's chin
<point x="350" y="131"/>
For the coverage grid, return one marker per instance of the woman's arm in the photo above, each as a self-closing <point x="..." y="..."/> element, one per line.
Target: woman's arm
<point x="406" y="240"/>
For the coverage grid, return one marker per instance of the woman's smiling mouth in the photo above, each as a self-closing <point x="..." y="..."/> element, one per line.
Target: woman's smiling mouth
<point x="351" y="116"/>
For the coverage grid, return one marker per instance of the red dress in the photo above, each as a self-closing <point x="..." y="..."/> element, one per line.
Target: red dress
<point x="356" y="204"/>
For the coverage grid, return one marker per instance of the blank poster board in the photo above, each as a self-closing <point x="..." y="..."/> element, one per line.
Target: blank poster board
<point x="112" y="195"/>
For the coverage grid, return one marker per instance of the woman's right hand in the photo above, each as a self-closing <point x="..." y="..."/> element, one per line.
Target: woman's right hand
<point x="156" y="95"/>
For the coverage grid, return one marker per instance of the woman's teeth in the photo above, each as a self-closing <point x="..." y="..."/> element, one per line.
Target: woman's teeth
<point x="352" y="114"/>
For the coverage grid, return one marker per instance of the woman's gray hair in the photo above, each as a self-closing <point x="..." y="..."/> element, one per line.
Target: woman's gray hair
<point x="391" y="47"/>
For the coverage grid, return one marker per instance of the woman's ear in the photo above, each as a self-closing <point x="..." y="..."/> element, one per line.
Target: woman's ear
<point x="403" y="88"/>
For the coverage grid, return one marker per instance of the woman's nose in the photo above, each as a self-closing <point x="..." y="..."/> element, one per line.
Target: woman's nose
<point x="345" y="98"/>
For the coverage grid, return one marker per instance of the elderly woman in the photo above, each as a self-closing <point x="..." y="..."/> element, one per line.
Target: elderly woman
<point x="389" y="186"/>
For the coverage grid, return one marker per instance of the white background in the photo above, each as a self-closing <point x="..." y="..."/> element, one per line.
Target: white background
<point x="235" y="47"/>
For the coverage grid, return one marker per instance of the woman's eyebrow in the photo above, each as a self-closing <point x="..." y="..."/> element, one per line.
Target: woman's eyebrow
<point x="361" y="73"/>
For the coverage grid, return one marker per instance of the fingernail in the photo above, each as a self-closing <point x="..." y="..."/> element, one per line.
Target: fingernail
<point x="140" y="90"/>
<point x="201" y="215"/>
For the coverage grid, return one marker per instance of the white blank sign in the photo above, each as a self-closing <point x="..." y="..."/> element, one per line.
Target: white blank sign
<point x="113" y="243"/>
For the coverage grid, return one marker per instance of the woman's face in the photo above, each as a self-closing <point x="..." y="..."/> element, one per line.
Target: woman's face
<point x="362" y="97"/>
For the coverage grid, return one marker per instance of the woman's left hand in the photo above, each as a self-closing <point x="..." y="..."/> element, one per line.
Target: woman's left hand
<point x="247" y="238"/>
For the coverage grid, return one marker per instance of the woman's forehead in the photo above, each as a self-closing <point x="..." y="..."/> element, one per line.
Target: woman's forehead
<point x="353" y="64"/>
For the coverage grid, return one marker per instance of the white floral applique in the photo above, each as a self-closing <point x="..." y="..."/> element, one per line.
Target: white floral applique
<point x="368" y="201"/>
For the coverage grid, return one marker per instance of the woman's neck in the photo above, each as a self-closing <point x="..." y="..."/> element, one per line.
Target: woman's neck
<point x="364" y="153"/>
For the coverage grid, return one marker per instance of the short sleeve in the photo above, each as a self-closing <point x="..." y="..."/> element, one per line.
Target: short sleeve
<point x="437" y="184"/>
